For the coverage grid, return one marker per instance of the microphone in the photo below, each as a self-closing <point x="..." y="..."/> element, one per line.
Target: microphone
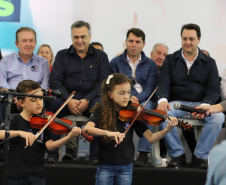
<point x="178" y="106"/>
<point x="57" y="93"/>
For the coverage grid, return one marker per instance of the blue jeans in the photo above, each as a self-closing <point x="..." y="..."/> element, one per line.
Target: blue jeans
<point x="211" y="130"/>
<point x="144" y="145"/>
<point x="120" y="174"/>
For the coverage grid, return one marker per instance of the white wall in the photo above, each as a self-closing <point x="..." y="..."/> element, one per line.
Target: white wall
<point x="161" y="20"/>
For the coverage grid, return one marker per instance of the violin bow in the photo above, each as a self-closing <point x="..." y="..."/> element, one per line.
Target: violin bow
<point x="53" y="117"/>
<point x="134" y="119"/>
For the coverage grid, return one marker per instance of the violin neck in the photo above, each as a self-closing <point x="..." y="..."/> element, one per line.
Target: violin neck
<point x="60" y="122"/>
<point x="151" y="112"/>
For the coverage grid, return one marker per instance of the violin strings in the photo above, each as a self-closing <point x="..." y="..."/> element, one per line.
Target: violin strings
<point x="155" y="113"/>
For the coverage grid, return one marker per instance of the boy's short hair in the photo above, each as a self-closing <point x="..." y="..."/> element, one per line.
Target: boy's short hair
<point x="27" y="86"/>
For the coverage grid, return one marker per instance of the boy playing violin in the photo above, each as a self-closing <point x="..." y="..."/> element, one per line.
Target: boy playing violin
<point x="26" y="165"/>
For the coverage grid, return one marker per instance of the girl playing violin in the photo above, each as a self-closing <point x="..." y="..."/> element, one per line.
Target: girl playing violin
<point x="116" y="163"/>
<point x="26" y="165"/>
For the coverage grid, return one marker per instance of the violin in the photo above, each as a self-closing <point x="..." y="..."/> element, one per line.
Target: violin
<point x="151" y="117"/>
<point x="57" y="126"/>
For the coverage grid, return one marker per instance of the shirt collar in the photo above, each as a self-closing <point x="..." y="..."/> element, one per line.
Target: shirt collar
<point x="20" y="59"/>
<point x="137" y="62"/>
<point x="73" y="50"/>
<point x="187" y="59"/>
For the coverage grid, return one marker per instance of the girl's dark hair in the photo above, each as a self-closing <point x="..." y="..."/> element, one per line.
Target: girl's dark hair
<point x="109" y="107"/>
<point x="27" y="86"/>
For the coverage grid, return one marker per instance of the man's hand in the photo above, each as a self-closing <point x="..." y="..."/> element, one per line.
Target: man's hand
<point x="73" y="107"/>
<point x="164" y="106"/>
<point x="83" y="105"/>
<point x="134" y="99"/>
<point x="212" y="108"/>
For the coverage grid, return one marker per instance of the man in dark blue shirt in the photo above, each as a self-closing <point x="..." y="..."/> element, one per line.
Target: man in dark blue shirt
<point x="143" y="72"/>
<point x="189" y="77"/>
<point x="80" y="68"/>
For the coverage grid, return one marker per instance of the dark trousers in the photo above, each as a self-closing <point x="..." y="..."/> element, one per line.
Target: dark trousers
<point x="31" y="180"/>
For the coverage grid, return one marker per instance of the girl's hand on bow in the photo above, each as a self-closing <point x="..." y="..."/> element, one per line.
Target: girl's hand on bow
<point x="117" y="136"/>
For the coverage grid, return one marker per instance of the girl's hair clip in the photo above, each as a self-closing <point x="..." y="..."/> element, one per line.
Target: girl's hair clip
<point x="109" y="78"/>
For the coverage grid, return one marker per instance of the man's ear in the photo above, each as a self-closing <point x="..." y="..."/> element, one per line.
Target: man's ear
<point x="16" y="44"/>
<point x="151" y="54"/>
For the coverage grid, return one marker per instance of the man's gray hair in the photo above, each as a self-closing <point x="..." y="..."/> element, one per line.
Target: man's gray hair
<point x="159" y="44"/>
<point x="80" y="24"/>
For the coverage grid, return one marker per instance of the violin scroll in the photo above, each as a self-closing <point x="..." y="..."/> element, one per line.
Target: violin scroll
<point x="184" y="125"/>
<point x="86" y="136"/>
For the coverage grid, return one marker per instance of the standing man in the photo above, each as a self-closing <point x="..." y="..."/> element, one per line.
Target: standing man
<point x="189" y="77"/>
<point x="80" y="68"/>
<point x="143" y="72"/>
<point x="23" y="65"/>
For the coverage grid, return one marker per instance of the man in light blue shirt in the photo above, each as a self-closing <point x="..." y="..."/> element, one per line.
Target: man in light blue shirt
<point x="24" y="65"/>
<point x="13" y="70"/>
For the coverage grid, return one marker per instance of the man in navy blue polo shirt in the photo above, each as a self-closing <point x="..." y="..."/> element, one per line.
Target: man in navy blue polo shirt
<point x="80" y="68"/>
